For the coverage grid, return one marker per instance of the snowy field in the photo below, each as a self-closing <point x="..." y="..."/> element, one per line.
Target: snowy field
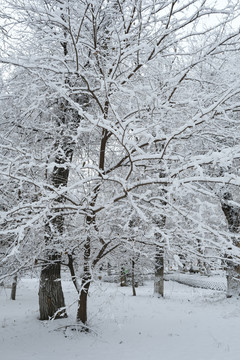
<point x="188" y="324"/>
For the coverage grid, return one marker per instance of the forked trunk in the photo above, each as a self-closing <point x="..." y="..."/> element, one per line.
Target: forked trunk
<point x="51" y="299"/>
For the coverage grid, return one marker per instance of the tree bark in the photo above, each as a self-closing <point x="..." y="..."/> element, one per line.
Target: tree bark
<point x="159" y="256"/>
<point x="133" y="278"/>
<point x="14" y="288"/>
<point x="86" y="280"/>
<point x="50" y="291"/>
<point x="51" y="299"/>
<point x="82" y="303"/>
<point x="159" y="272"/>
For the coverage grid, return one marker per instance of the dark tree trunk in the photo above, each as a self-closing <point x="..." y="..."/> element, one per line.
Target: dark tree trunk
<point x="51" y="299"/>
<point x="159" y="272"/>
<point x="14" y="288"/>
<point x="72" y="272"/>
<point x="159" y="257"/>
<point x="82" y="303"/>
<point x="109" y="269"/>
<point x="86" y="280"/>
<point x="90" y="220"/>
<point x="133" y="278"/>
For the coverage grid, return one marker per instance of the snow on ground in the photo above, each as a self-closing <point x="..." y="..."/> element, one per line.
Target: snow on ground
<point x="188" y="324"/>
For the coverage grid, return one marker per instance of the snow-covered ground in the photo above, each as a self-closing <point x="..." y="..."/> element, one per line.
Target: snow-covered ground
<point x="188" y="324"/>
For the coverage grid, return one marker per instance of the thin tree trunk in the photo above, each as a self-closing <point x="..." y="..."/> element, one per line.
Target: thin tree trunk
<point x="86" y="280"/>
<point x="159" y="272"/>
<point x="109" y="269"/>
<point x="72" y="272"/>
<point x="133" y="278"/>
<point x="159" y="257"/>
<point x="123" y="279"/>
<point x="14" y="288"/>
<point x="90" y="220"/>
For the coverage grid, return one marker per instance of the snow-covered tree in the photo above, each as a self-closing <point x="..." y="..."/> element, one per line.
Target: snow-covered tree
<point x="106" y="120"/>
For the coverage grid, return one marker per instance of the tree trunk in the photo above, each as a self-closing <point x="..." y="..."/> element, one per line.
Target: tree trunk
<point x="159" y="257"/>
<point x="109" y="269"/>
<point x="133" y="278"/>
<point x="82" y="303"/>
<point x="159" y="272"/>
<point x="14" y="288"/>
<point x="233" y="281"/>
<point x="86" y="280"/>
<point x="90" y="220"/>
<point x="72" y="272"/>
<point x="51" y="299"/>
<point x="232" y="215"/>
